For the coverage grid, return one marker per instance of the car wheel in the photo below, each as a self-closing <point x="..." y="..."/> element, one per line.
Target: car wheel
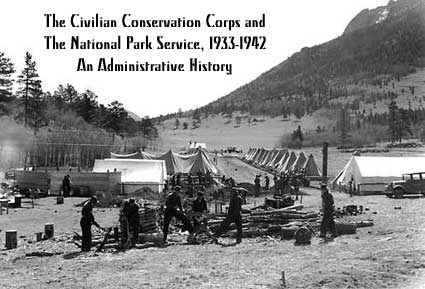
<point x="398" y="193"/>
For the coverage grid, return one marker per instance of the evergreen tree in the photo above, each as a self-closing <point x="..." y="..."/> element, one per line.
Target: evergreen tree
<point x="87" y="106"/>
<point x="393" y="120"/>
<point x="30" y="91"/>
<point x="6" y="71"/>
<point x="344" y="127"/>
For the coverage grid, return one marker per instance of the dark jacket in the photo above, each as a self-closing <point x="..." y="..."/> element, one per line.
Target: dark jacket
<point x="235" y="206"/>
<point x="87" y="218"/>
<point x="200" y="206"/>
<point x="174" y="201"/>
<point x="328" y="203"/>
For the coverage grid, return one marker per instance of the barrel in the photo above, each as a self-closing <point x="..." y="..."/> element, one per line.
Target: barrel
<point x="38" y="236"/>
<point x="48" y="230"/>
<point x="11" y="239"/>
<point x="18" y="201"/>
<point x="59" y="200"/>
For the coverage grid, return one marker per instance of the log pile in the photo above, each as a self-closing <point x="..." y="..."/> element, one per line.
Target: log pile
<point x="148" y="220"/>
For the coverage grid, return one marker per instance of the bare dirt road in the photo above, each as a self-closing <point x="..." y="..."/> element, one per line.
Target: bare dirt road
<point x="391" y="254"/>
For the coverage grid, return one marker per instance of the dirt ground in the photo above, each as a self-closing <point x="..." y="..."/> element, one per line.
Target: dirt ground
<point x="391" y="254"/>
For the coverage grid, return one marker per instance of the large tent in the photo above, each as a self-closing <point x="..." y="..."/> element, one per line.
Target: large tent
<point x="135" y="173"/>
<point x="372" y="174"/>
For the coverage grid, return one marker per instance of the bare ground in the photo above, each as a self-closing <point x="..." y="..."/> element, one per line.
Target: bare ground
<point x="391" y="254"/>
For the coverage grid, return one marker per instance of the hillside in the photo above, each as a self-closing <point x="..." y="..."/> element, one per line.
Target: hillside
<point x="379" y="58"/>
<point x="388" y="41"/>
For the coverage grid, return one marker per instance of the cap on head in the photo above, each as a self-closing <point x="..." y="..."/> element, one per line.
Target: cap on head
<point x="93" y="199"/>
<point x="178" y="188"/>
<point x="200" y="194"/>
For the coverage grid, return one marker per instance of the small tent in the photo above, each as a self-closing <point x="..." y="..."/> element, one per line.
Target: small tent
<point x="299" y="162"/>
<point x="310" y="168"/>
<point x="285" y="167"/>
<point x="372" y="174"/>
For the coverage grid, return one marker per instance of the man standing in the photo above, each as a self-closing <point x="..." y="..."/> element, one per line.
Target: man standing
<point x="173" y="203"/>
<point x="87" y="220"/>
<point x="133" y="218"/>
<point x="233" y="216"/>
<point x="257" y="183"/>
<point x="328" y="222"/>
<point x="266" y="182"/>
<point x="199" y="207"/>
<point x="66" y="186"/>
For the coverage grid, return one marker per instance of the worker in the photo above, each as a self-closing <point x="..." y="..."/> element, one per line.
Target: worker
<point x="257" y="185"/>
<point x="66" y="186"/>
<point x="173" y="208"/>
<point x="199" y="207"/>
<point x="266" y="182"/>
<point x="87" y="220"/>
<point x="233" y="216"/>
<point x="178" y="181"/>
<point x="123" y="220"/>
<point x="328" y="209"/>
<point x="133" y="217"/>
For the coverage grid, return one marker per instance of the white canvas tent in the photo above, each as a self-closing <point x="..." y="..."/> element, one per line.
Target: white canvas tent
<point x="135" y="173"/>
<point x="372" y="174"/>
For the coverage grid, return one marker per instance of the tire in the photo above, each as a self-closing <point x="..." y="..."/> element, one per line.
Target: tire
<point x="398" y="193"/>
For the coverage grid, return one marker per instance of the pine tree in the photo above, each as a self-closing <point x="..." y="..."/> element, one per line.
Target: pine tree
<point x="344" y="127"/>
<point x="6" y="70"/>
<point x="393" y="120"/>
<point x="31" y="91"/>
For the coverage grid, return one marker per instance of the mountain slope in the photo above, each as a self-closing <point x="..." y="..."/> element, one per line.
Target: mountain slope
<point x="371" y="46"/>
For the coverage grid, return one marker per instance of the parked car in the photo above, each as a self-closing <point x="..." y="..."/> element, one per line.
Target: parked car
<point x="411" y="184"/>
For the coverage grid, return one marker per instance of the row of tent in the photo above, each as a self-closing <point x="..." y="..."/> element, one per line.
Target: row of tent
<point x="177" y="163"/>
<point x="282" y="161"/>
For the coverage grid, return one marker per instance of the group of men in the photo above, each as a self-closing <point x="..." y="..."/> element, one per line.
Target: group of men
<point x="174" y="209"/>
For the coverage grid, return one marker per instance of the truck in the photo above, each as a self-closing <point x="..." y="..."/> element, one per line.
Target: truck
<point x="411" y="184"/>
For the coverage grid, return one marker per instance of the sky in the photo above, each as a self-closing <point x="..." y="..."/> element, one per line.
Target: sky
<point x="289" y="26"/>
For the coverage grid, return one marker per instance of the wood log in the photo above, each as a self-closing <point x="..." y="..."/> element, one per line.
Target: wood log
<point x="345" y="228"/>
<point x="362" y="224"/>
<point x="288" y="232"/>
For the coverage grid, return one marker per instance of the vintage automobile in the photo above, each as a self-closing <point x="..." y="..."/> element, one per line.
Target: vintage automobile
<point x="411" y="184"/>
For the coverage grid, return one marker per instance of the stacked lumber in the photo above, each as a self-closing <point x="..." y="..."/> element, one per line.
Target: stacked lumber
<point x="148" y="220"/>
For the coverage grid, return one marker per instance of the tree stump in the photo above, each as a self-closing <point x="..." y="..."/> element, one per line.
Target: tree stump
<point x="11" y="239"/>
<point x="303" y="236"/>
<point x="48" y="230"/>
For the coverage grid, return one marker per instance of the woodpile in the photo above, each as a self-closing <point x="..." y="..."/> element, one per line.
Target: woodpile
<point x="148" y="220"/>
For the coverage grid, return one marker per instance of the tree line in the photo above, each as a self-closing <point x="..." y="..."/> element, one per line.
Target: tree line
<point x="65" y="108"/>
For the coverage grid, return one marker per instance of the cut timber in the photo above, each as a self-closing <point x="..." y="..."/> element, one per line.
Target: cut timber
<point x="345" y="228"/>
<point x="362" y="224"/>
<point x="288" y="232"/>
<point x="105" y="239"/>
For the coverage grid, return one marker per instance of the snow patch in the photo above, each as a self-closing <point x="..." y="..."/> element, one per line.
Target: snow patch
<point x="383" y="16"/>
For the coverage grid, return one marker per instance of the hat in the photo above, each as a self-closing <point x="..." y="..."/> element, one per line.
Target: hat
<point x="177" y="188"/>
<point x="200" y="193"/>
<point x="93" y="199"/>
